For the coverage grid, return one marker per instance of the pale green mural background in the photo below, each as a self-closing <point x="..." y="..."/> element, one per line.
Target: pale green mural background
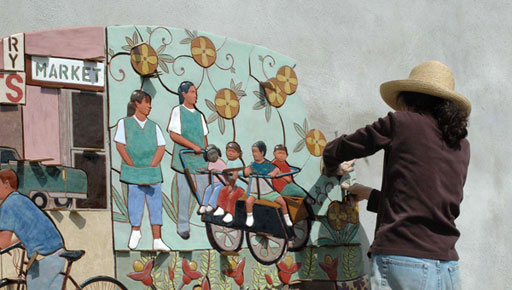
<point x="231" y="69"/>
<point x="239" y="67"/>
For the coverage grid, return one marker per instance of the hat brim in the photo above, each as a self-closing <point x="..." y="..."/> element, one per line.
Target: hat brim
<point x="390" y="90"/>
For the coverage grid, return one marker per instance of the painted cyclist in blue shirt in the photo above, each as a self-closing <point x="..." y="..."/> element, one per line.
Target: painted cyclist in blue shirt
<point x="34" y="228"/>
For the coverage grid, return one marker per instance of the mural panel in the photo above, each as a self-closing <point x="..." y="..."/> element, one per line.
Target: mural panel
<point x="238" y="146"/>
<point x="199" y="145"/>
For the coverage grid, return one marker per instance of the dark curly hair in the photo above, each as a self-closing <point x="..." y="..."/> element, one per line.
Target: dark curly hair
<point x="452" y="120"/>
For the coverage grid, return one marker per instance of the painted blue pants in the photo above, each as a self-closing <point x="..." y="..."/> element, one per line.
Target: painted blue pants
<point x="211" y="196"/>
<point x="138" y="195"/>
<point x="184" y="194"/>
<point x="402" y="272"/>
<point x="44" y="274"/>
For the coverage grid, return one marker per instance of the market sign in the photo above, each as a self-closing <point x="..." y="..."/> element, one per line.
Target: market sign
<point x="12" y="87"/>
<point x="14" y="50"/>
<point x="66" y="73"/>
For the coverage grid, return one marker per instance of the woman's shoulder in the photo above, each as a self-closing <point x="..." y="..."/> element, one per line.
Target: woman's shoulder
<point x="409" y="118"/>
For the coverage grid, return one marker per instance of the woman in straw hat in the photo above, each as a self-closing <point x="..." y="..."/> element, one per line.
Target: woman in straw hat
<point x="425" y="166"/>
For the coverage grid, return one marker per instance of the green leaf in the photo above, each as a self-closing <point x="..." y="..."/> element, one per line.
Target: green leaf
<point x="210" y="105"/>
<point x="260" y="95"/>
<point x="212" y="118"/>
<point x="161" y="49"/>
<point x="111" y="52"/>
<point x="222" y="125"/>
<point x="259" y="105"/>
<point x="126" y="47"/>
<point x="326" y="242"/>
<point x="129" y="41"/>
<point x="135" y="38"/>
<point x="260" y="57"/>
<point x="186" y="41"/>
<point x="268" y="113"/>
<point x="238" y="86"/>
<point x="158" y="274"/>
<point x="299" y="130"/>
<point x="119" y="202"/>
<point x="351" y="231"/>
<point x="166" y="58"/>
<point x="169" y="208"/>
<point x="124" y="188"/>
<point x="232" y="85"/>
<point x="240" y="93"/>
<point x="325" y="223"/>
<point x="148" y="29"/>
<point x="306" y="125"/>
<point x="300" y="145"/>
<point x="163" y="65"/>
<point x="233" y="70"/>
<point x="190" y="34"/>
<point x="120" y="218"/>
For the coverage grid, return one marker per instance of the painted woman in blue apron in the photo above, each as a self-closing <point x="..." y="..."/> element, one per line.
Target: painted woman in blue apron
<point x="141" y="144"/>
<point x="188" y="129"/>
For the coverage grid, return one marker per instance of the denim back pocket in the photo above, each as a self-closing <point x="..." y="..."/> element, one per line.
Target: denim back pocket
<point x="404" y="272"/>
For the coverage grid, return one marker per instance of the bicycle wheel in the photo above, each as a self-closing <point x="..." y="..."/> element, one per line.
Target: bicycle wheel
<point x="8" y="284"/>
<point x="102" y="282"/>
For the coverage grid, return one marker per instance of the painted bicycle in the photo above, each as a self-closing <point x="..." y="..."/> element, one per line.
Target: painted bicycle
<point x="269" y="237"/>
<point x="22" y="267"/>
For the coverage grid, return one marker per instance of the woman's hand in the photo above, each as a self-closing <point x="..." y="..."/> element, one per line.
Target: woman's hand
<point x="345" y="167"/>
<point x="357" y="191"/>
<point x="197" y="149"/>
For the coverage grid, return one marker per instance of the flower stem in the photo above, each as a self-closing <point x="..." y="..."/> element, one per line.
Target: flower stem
<point x="282" y="126"/>
<point x="234" y="130"/>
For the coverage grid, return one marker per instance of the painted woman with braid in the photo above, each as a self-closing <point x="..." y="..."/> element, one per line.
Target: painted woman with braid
<point x="188" y="130"/>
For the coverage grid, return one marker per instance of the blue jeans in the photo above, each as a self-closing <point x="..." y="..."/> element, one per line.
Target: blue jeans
<point x="44" y="274"/>
<point x="137" y="196"/>
<point x="211" y="195"/>
<point x="402" y="272"/>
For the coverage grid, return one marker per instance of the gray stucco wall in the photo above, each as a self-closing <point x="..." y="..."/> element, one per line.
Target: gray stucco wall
<point x="344" y="51"/>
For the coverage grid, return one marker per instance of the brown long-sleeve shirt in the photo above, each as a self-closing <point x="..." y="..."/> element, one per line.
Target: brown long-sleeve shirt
<point x="421" y="185"/>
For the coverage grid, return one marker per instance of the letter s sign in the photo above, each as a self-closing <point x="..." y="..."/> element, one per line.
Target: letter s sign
<point x="12" y="88"/>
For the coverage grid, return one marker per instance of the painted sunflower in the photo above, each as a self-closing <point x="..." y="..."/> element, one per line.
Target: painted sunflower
<point x="203" y="51"/>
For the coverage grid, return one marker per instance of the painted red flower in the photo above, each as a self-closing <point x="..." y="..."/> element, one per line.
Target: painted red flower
<point x="330" y="267"/>
<point x="286" y="268"/>
<point x="205" y="285"/>
<point x="143" y="274"/>
<point x="171" y="273"/>
<point x="269" y="279"/>
<point x="237" y="272"/>
<point x="189" y="271"/>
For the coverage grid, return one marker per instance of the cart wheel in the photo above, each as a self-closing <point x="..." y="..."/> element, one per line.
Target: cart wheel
<point x="301" y="230"/>
<point x="265" y="249"/>
<point x="224" y="239"/>
<point x="40" y="199"/>
<point x="62" y="201"/>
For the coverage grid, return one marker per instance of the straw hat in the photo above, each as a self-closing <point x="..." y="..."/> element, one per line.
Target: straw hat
<point x="432" y="78"/>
